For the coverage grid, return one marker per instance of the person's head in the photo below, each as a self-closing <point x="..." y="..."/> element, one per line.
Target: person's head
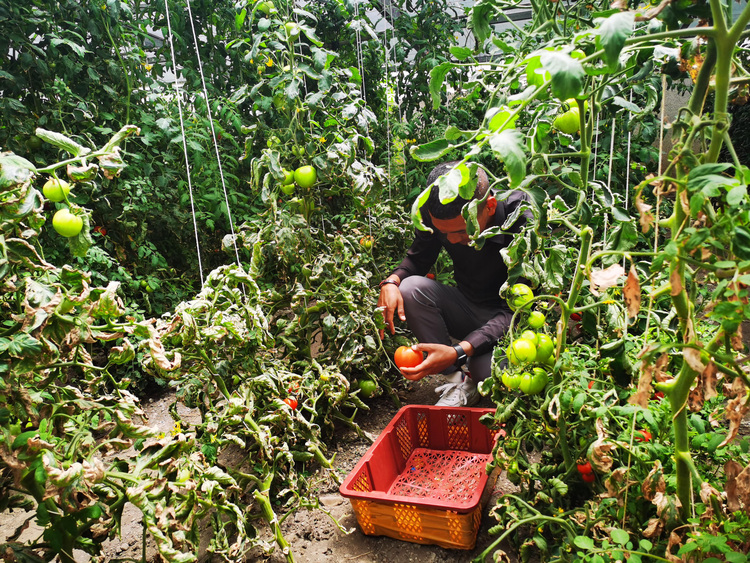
<point x="446" y="217"/>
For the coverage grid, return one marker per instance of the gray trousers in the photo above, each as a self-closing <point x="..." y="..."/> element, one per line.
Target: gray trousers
<point x="439" y="314"/>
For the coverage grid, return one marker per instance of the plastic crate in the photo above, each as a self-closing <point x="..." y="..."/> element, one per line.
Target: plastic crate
<point x="424" y="480"/>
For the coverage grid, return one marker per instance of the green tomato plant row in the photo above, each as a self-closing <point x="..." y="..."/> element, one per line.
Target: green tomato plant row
<point x="618" y="257"/>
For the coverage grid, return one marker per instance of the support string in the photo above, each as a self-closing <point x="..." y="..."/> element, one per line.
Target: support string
<point x="184" y="142"/>
<point x="213" y="136"/>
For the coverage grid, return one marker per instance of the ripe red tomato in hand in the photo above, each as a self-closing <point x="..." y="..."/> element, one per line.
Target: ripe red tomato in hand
<point x="406" y="357"/>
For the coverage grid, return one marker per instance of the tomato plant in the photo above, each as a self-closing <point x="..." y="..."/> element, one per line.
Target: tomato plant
<point x="407" y="357"/>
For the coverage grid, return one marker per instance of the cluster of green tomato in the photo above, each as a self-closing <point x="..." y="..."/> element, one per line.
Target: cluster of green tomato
<point x="64" y="222"/>
<point x="531" y="354"/>
<point x="304" y="177"/>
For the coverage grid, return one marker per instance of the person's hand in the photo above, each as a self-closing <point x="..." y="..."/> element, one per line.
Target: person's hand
<point x="391" y="301"/>
<point x="439" y="357"/>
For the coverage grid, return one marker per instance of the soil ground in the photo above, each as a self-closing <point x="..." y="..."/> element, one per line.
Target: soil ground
<point x="313" y="535"/>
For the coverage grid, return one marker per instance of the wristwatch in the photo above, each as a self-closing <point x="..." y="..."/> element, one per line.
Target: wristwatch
<point x="462" y="357"/>
<point x="387" y="282"/>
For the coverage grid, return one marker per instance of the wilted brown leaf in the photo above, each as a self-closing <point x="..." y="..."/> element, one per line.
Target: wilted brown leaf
<point x="615" y="485"/>
<point x="653" y="529"/>
<point x="674" y="540"/>
<point x="731" y="470"/>
<point x="693" y="358"/>
<point x="631" y="292"/>
<point x="743" y="487"/>
<point x="710" y="380"/>
<point x="604" y="279"/>
<point x="685" y="202"/>
<point x="654" y="482"/>
<point x="735" y="411"/>
<point x="646" y="218"/>
<point x="600" y="459"/>
<point x="695" y="399"/>
<point x="649" y="373"/>
<point x="675" y="282"/>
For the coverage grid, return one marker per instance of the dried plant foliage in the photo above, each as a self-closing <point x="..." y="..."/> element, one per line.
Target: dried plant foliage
<point x="603" y="279"/>
<point x="649" y="373"/>
<point x="631" y="293"/>
<point x="736" y="410"/>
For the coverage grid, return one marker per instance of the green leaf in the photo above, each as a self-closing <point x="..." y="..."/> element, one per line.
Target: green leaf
<point x="480" y="20"/>
<point x="239" y="19"/>
<point x="431" y="151"/>
<point x="737" y="195"/>
<point x="416" y="214"/>
<point x="612" y="35"/>
<point x="583" y="542"/>
<point x="741" y="243"/>
<point x="509" y="147"/>
<point x="566" y="72"/>
<point x="448" y="185"/>
<point x="14" y="170"/>
<point x="61" y="142"/>
<point x="619" y="536"/>
<point x="461" y="53"/>
<point x="437" y="77"/>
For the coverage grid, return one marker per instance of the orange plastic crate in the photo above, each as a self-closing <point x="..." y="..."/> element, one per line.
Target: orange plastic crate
<point x="424" y="480"/>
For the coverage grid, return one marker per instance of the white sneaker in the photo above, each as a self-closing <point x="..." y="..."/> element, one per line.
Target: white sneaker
<point x="460" y="391"/>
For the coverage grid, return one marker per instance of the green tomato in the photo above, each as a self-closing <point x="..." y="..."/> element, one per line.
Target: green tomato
<point x="67" y="224"/>
<point x="544" y="348"/>
<point x="519" y="295"/>
<point x="292" y="29"/>
<point x="521" y="351"/>
<point x="536" y="320"/>
<point x="533" y="383"/>
<point x="56" y="190"/>
<point x="305" y="176"/>
<point x="367" y="388"/>
<point x="288" y="177"/>
<point x="266" y="7"/>
<point x="531" y="336"/>
<point x="511" y="380"/>
<point x="568" y="122"/>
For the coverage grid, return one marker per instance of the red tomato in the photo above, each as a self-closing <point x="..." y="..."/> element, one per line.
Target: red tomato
<point x="588" y="477"/>
<point x="584" y="468"/>
<point x="406" y="357"/>
<point x="659" y="395"/>
<point x="642" y="436"/>
<point x="292" y="402"/>
<point x="430" y="276"/>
